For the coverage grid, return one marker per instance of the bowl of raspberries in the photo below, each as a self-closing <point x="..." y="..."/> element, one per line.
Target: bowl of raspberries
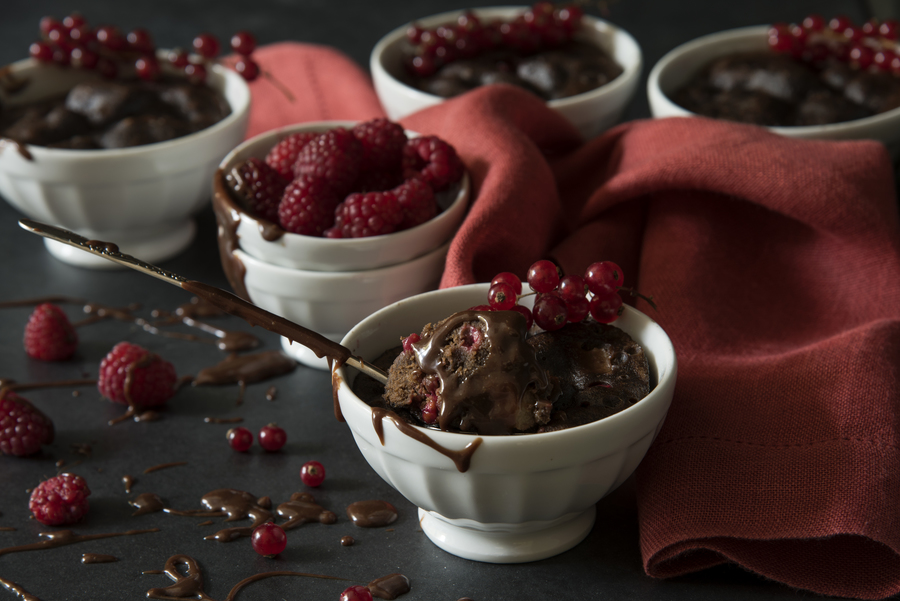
<point x="326" y="222"/>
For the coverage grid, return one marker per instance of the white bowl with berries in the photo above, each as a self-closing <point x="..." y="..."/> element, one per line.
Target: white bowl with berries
<point x="817" y="43"/>
<point x="591" y="112"/>
<point x="266" y="239"/>
<point x="522" y="497"/>
<point x="110" y="162"/>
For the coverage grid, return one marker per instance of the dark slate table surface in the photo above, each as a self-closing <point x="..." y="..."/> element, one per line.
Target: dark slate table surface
<point x="606" y="565"/>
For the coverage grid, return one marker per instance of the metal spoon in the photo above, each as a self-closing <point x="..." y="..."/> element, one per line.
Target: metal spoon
<point x="228" y="302"/>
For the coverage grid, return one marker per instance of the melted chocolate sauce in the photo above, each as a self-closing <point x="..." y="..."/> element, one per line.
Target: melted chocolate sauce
<point x="246" y="369"/>
<point x="271" y="393"/>
<point x="17" y="590"/>
<point x="223" y="420"/>
<point x="184" y="586"/>
<point x="127" y="482"/>
<point x="7" y="529"/>
<point x="147" y="502"/>
<point x="302" y="509"/>
<point x="98" y="558"/>
<point x="228" y="218"/>
<point x="237" y="505"/>
<point x="462" y="459"/>
<point x="347" y="541"/>
<point x="59" y="538"/>
<point x="263" y="575"/>
<point x="389" y="587"/>
<point x="372" y="514"/>
<point x="163" y="466"/>
<point x="22" y="149"/>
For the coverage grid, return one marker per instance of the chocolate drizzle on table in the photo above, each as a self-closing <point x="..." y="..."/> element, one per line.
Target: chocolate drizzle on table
<point x="372" y="514"/>
<point x="59" y="538"/>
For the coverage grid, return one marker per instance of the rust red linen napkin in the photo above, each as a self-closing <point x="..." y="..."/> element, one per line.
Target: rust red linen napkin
<point x="775" y="264"/>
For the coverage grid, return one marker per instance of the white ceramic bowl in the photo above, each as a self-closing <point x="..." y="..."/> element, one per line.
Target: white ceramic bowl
<point x="142" y="197"/>
<point x="326" y="254"/>
<point x="331" y="303"/>
<point x="678" y="66"/>
<point x="524" y="497"/>
<point x="591" y="112"/>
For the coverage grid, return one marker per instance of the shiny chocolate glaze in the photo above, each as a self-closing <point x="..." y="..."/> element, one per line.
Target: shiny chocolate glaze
<point x="390" y="586"/>
<point x="98" y="558"/>
<point x="59" y="538"/>
<point x="372" y="514"/>
<point x="302" y="509"/>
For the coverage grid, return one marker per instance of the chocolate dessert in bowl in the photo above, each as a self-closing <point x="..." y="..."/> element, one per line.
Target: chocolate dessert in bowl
<point x="806" y="80"/>
<point x="116" y="159"/>
<point x="587" y="69"/>
<point x="494" y="493"/>
<point x="281" y="244"/>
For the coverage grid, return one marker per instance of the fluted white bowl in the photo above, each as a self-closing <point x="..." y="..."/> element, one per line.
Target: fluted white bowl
<point x="524" y="497"/>
<point x="591" y="112"/>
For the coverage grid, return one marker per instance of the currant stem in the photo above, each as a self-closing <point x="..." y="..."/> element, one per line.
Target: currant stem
<point x="279" y="85"/>
<point x="634" y="293"/>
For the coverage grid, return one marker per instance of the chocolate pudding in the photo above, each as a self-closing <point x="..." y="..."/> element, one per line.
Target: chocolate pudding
<point x="772" y="89"/>
<point x="115" y="114"/>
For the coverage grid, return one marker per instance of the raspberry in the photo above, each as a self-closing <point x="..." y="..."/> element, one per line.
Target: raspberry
<point x="260" y="186"/>
<point x="368" y="214"/>
<point x="48" y="335"/>
<point x="432" y="159"/>
<point x="132" y="375"/>
<point x="307" y="206"/>
<point x="23" y="428"/>
<point x="283" y="155"/>
<point x="335" y="157"/>
<point x="416" y="199"/>
<point x="61" y="500"/>
<point x="382" y="142"/>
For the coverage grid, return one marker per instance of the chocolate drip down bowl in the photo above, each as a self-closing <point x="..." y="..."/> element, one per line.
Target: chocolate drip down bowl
<point x="501" y="498"/>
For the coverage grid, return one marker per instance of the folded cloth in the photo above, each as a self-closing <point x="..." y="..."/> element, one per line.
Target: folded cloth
<point x="775" y="264"/>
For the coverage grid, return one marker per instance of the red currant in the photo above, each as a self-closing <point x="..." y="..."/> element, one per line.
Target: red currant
<point x="508" y="278"/>
<point x="247" y="68"/>
<point x="195" y="73"/>
<point x="46" y="24"/>
<point x="82" y="34"/>
<point x="572" y="286"/>
<point x="140" y="40"/>
<point x="206" y="45"/>
<point x="41" y="51"/>
<point x="240" y="439"/>
<point x="870" y="27"/>
<point x="889" y="29"/>
<point x="481" y="308"/>
<point x="605" y="304"/>
<point x="550" y="312"/>
<point x="111" y="38"/>
<point x="814" y="22"/>
<point x="525" y="311"/>
<point x="839" y="23"/>
<point x="543" y="276"/>
<point x="74" y="20"/>
<point x="312" y="473"/>
<point x="272" y="437"/>
<point x="147" y="67"/>
<point x="862" y="55"/>
<point x="178" y="58"/>
<point x="84" y="58"/>
<point x="501" y="297"/>
<point x="605" y="273"/>
<point x="243" y="43"/>
<point x="414" y="33"/>
<point x="577" y="308"/>
<point x="883" y="59"/>
<point x="357" y="593"/>
<point x="268" y="539"/>
<point x="409" y="341"/>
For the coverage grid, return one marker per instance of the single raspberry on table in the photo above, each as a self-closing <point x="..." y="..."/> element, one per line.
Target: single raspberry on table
<point x="283" y="155"/>
<point x="23" y="427"/>
<point x="307" y="206"/>
<point x="382" y="159"/>
<point x="260" y="186"/>
<point x="49" y="336"/>
<point x="416" y="199"/>
<point x="61" y="500"/>
<point x="434" y="160"/>
<point x="334" y="156"/>
<point x="367" y="214"/>
<point x="132" y="375"/>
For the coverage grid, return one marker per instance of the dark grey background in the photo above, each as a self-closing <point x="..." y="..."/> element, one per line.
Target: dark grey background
<point x="606" y="566"/>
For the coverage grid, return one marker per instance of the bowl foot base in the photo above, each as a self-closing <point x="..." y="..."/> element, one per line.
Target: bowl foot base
<point x="305" y="356"/>
<point x="528" y="542"/>
<point x="152" y="245"/>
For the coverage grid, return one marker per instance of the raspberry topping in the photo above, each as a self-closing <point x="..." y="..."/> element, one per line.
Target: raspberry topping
<point x="382" y="142"/>
<point x="260" y="186"/>
<point x="49" y="336"/>
<point x="416" y="199"/>
<point x="132" y="375"/>
<point x="60" y="500"/>
<point x="23" y="428"/>
<point x="308" y="206"/>
<point x="334" y="156"/>
<point x="432" y="159"/>
<point x="368" y="214"/>
<point x="283" y="155"/>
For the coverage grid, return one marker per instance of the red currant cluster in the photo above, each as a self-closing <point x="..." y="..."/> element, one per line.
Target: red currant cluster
<point x="561" y="299"/>
<point x="540" y="27"/>
<point x="873" y="44"/>
<point x="105" y="49"/>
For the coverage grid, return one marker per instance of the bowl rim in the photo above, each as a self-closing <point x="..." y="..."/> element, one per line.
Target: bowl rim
<point x="462" y="196"/>
<point x="602" y="26"/>
<point x="713" y="40"/>
<point x="458" y="440"/>
<point x="238" y="113"/>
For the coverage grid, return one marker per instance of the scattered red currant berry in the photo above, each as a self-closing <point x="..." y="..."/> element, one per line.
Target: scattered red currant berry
<point x="147" y="67"/>
<point x="550" y="312"/>
<point x="195" y="73"/>
<point x="357" y="593"/>
<point x="510" y="279"/>
<point x="268" y="539"/>
<point x="605" y="273"/>
<point x="543" y="276"/>
<point x="243" y="43"/>
<point x="606" y="304"/>
<point x="41" y="51"/>
<point x="246" y="68"/>
<point x="501" y="297"/>
<point x="206" y="45"/>
<point x="140" y="40"/>
<point x="312" y="473"/>
<point x="272" y="437"/>
<point x="240" y="439"/>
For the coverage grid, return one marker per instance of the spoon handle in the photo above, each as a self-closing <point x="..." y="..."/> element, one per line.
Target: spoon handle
<point x="228" y="302"/>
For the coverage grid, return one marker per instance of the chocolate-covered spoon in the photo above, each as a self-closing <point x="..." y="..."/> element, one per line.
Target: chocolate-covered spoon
<point x="228" y="302"/>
